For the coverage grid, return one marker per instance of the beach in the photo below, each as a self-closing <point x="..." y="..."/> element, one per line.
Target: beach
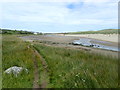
<point x="105" y="37"/>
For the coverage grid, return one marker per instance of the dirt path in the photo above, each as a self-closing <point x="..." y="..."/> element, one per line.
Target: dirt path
<point x="43" y="76"/>
<point x="36" y="73"/>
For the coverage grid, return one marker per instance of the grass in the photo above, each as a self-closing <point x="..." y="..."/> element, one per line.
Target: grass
<point x="40" y="68"/>
<point x="79" y="69"/>
<point x="106" y="31"/>
<point x="68" y="68"/>
<point x="0" y="61"/>
<point x="16" y="53"/>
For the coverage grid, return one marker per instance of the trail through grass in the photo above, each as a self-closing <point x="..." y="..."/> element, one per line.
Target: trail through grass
<point x="68" y="68"/>
<point x="43" y="73"/>
<point x="41" y="78"/>
<point x="78" y="68"/>
<point x="20" y="53"/>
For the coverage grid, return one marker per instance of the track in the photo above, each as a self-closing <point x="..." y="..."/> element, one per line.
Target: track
<point x="44" y="79"/>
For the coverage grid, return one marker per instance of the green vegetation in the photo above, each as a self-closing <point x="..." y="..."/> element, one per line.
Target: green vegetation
<point x="15" y="52"/>
<point x="106" y="31"/>
<point x="79" y="69"/>
<point x="68" y="68"/>
<point x="7" y="31"/>
<point x="0" y="61"/>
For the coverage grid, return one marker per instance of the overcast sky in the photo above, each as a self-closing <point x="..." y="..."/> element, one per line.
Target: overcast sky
<point x="59" y="15"/>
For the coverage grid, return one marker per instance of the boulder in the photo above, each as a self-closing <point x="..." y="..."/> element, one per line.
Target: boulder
<point x="15" y="70"/>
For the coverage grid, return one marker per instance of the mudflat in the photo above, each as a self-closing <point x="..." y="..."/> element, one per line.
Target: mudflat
<point x="66" y="41"/>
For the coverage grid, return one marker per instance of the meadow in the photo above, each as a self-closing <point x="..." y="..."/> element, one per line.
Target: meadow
<point x="0" y="61"/>
<point x="67" y="68"/>
<point x="79" y="69"/>
<point x="16" y="53"/>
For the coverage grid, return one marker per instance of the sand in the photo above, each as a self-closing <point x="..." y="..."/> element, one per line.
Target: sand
<point x="105" y="37"/>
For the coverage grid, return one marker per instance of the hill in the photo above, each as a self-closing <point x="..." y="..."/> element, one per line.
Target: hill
<point x="105" y="31"/>
<point x="7" y="31"/>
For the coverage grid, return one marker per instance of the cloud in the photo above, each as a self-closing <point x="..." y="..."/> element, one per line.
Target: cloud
<point x="40" y="0"/>
<point x="92" y="1"/>
<point x="67" y="13"/>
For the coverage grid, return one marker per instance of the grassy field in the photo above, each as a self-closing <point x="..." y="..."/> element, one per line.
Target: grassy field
<point x="106" y="31"/>
<point x="79" y="69"/>
<point x="0" y="61"/>
<point x="68" y="68"/>
<point x="16" y="53"/>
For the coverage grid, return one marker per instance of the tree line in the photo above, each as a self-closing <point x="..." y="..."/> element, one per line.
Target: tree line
<point x="7" y="31"/>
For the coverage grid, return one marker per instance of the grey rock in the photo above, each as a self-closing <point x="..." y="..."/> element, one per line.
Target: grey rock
<point x="15" y="70"/>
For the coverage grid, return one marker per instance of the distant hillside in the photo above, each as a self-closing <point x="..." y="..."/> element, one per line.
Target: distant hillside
<point x="7" y="31"/>
<point x="105" y="31"/>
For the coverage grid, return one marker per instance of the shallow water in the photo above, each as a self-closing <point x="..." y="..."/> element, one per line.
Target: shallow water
<point x="88" y="42"/>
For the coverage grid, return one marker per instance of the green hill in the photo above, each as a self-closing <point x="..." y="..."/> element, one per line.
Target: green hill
<point x="7" y="31"/>
<point x="105" y="31"/>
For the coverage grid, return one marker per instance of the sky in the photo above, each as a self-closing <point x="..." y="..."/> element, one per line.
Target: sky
<point x="51" y="16"/>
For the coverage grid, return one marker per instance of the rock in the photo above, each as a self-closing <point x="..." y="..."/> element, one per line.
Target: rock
<point x="83" y="42"/>
<point x="92" y="45"/>
<point x="15" y="70"/>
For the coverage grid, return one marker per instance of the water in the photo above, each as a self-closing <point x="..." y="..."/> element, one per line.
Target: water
<point x="87" y="42"/>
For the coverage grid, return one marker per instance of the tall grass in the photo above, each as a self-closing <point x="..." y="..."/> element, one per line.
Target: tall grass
<point x="16" y="53"/>
<point x="67" y="68"/>
<point x="79" y="69"/>
<point x="0" y="61"/>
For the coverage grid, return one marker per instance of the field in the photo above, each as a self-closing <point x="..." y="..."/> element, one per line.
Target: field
<point x="79" y="69"/>
<point x="0" y="61"/>
<point x="58" y="67"/>
<point x="16" y="53"/>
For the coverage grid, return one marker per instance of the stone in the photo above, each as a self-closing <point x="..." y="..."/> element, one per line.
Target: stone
<point x="15" y="70"/>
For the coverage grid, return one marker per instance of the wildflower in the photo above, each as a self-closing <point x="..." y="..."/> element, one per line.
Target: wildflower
<point x="94" y="73"/>
<point x="77" y="75"/>
<point x="83" y="80"/>
<point x="75" y="84"/>
<point x="60" y="75"/>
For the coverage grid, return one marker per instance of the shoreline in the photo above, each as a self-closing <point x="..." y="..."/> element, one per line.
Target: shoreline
<point x="105" y="37"/>
<point x="65" y="41"/>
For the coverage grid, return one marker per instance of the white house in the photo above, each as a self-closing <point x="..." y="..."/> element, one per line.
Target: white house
<point x="35" y="33"/>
